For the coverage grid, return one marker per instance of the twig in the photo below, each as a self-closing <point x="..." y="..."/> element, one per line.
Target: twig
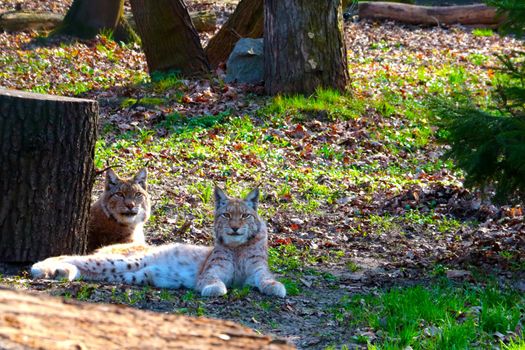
<point x="98" y="172"/>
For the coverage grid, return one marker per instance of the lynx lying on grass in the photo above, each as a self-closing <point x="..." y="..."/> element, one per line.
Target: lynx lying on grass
<point x="121" y="212"/>
<point x="238" y="257"/>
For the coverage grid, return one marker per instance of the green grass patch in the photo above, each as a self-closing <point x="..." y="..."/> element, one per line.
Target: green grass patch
<point x="292" y="287"/>
<point x="145" y="101"/>
<point x="438" y="317"/>
<point x="430" y="220"/>
<point x="163" y="81"/>
<point x="285" y="258"/>
<point x="483" y="32"/>
<point x="180" y="124"/>
<point x="323" y="104"/>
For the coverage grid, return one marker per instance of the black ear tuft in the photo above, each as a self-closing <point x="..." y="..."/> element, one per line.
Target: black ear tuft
<point x="112" y="179"/>
<point x="220" y="198"/>
<point x="252" y="199"/>
<point x="141" y="178"/>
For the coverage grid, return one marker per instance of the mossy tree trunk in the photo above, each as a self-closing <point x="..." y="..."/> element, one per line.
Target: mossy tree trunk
<point x="87" y="18"/>
<point x="304" y="46"/>
<point x="47" y="147"/>
<point x="169" y="38"/>
<point x="247" y="21"/>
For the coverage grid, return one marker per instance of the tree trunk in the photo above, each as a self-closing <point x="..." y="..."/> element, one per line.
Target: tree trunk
<point x="412" y="14"/>
<point x="87" y="18"/>
<point x="41" y="322"/>
<point x="247" y="21"/>
<point x="304" y="46"/>
<point x="169" y="38"/>
<point x="47" y="146"/>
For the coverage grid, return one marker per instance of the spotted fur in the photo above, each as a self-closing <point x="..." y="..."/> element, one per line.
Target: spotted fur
<point x="239" y="257"/>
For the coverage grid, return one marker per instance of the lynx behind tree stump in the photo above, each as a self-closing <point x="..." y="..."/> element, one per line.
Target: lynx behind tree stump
<point x="47" y="146"/>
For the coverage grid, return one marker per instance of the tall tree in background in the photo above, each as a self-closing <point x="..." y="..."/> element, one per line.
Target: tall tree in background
<point x="169" y="38"/>
<point x="47" y="146"/>
<point x="87" y="18"/>
<point x="304" y="46"/>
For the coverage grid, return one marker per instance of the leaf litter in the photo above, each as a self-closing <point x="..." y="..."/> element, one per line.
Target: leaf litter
<point x="396" y="216"/>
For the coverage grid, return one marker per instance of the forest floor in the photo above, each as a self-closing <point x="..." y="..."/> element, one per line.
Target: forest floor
<point x="371" y="230"/>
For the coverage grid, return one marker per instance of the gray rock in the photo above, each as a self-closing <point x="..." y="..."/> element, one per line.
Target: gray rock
<point x="246" y="62"/>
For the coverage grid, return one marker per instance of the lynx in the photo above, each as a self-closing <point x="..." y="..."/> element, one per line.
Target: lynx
<point x="119" y="215"/>
<point x="239" y="257"/>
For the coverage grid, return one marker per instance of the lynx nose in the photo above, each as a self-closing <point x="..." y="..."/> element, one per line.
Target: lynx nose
<point x="235" y="229"/>
<point x="130" y="205"/>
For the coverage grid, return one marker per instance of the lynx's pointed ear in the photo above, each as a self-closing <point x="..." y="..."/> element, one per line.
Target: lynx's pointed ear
<point x="112" y="179"/>
<point x="141" y="178"/>
<point x="220" y="198"/>
<point x="252" y="199"/>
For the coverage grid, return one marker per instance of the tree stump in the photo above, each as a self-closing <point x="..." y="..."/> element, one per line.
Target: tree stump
<point x="304" y="46"/>
<point x="41" y="322"/>
<point x="169" y="38"/>
<point x="247" y="21"/>
<point x="47" y="146"/>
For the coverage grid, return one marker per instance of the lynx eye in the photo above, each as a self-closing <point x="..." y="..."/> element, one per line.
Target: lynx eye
<point x="138" y="195"/>
<point x="226" y="215"/>
<point x="246" y="216"/>
<point x="119" y="194"/>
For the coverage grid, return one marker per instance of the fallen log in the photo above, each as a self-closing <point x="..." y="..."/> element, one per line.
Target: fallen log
<point x="18" y="21"/>
<point x="30" y="321"/>
<point x="429" y="15"/>
<point x="204" y="21"/>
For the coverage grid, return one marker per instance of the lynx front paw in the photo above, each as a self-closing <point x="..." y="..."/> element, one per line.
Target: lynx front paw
<point x="214" y="290"/>
<point x="272" y="287"/>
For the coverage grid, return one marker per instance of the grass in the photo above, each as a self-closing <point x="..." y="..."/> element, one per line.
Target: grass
<point x="292" y="287"/>
<point x="439" y="317"/>
<point x="314" y="157"/>
<point x="414" y="218"/>
<point x="482" y="32"/>
<point x="323" y="104"/>
<point x="285" y="258"/>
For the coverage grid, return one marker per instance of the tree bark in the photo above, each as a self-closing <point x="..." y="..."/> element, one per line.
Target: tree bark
<point x="41" y="322"/>
<point x="47" y="146"/>
<point x="247" y="21"/>
<point x="413" y="14"/>
<point x="169" y="38"/>
<point x="304" y="46"/>
<point x="87" y="18"/>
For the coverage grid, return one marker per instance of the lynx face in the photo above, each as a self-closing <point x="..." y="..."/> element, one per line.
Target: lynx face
<point x="127" y="199"/>
<point x="236" y="220"/>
